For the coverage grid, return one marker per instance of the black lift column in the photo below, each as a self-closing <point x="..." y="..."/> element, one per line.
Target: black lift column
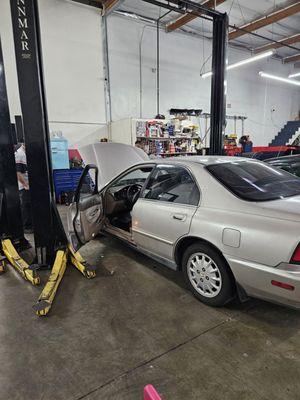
<point x="218" y="84"/>
<point x="32" y="96"/>
<point x="10" y="212"/>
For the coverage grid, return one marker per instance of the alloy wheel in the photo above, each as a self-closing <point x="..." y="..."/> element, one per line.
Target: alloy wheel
<point x="204" y="275"/>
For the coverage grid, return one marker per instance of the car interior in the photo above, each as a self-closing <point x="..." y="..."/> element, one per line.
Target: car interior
<point x="121" y="196"/>
<point x="168" y="184"/>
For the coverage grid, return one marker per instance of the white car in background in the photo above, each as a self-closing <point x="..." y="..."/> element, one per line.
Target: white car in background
<point x="232" y="225"/>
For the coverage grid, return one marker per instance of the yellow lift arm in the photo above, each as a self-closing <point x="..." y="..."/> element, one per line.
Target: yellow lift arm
<point x="2" y="264"/>
<point x="44" y="303"/>
<point x="87" y="270"/>
<point x="28" y="273"/>
<point x="47" y="296"/>
<point x="63" y="257"/>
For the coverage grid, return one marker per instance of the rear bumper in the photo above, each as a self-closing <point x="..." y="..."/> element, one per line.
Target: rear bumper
<point x="256" y="281"/>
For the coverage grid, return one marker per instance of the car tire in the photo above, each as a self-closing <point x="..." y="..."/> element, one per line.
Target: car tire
<point x="207" y="275"/>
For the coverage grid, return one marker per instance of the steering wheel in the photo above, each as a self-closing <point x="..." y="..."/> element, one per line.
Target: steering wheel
<point x="133" y="192"/>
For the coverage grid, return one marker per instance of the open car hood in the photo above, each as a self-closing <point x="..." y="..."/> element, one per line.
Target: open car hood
<point x="111" y="159"/>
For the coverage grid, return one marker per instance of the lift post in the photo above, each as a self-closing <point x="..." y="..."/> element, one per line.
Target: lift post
<point x="218" y="84"/>
<point x="219" y="63"/>
<point x="10" y="208"/>
<point x="26" y="32"/>
<point x="11" y="227"/>
<point x="51" y="243"/>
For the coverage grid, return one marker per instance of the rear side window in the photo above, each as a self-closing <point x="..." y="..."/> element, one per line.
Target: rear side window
<point x="172" y="184"/>
<point x="256" y="181"/>
<point x="292" y="167"/>
<point x="296" y="169"/>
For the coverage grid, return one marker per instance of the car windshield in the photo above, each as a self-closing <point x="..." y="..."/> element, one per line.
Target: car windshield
<point x="137" y="176"/>
<point x="254" y="181"/>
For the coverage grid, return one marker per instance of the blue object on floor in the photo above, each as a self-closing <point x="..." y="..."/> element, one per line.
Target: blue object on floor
<point x="248" y="147"/>
<point x="65" y="180"/>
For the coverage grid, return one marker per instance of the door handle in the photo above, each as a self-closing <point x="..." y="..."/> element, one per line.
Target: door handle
<point x="179" y="217"/>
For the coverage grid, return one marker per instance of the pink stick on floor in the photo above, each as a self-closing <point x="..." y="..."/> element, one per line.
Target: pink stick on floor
<point x="150" y="393"/>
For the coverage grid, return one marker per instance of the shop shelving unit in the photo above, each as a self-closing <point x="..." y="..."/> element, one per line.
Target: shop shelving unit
<point x="163" y="138"/>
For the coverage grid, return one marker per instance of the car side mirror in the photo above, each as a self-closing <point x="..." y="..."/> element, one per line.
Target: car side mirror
<point x="86" y="181"/>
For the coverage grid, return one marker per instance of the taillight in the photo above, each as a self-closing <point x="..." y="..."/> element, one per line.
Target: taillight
<point x="282" y="285"/>
<point x="296" y="256"/>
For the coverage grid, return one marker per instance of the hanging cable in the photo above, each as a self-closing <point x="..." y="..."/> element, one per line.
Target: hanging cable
<point x="141" y="72"/>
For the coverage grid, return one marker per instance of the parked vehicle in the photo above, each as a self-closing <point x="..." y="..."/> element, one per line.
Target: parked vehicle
<point x="280" y="152"/>
<point x="288" y="163"/>
<point x="231" y="224"/>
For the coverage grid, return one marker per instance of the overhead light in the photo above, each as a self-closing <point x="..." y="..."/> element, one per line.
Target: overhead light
<point x="294" y="75"/>
<point x="279" y="78"/>
<point x="251" y="59"/>
<point x="243" y="62"/>
<point x="206" y="75"/>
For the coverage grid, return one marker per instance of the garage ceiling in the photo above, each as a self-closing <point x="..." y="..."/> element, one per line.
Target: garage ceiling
<point x="241" y="12"/>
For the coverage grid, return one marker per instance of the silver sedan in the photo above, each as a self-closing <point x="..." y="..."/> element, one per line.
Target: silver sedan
<point x="231" y="225"/>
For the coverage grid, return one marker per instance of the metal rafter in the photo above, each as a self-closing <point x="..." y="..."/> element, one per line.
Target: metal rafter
<point x="265" y="20"/>
<point x="93" y="3"/>
<point x="190" y="16"/>
<point x="290" y="59"/>
<point x="110" y="5"/>
<point x="280" y="43"/>
<point x="186" y="7"/>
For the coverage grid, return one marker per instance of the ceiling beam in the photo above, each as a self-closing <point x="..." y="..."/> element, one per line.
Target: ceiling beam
<point x="92" y="3"/>
<point x="280" y="43"/>
<point x="172" y="26"/>
<point x="290" y="59"/>
<point x="264" y="21"/>
<point x="110" y="5"/>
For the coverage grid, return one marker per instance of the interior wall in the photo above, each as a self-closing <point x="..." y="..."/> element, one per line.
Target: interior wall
<point x="73" y="63"/>
<point x="268" y="105"/>
<point x="73" y="68"/>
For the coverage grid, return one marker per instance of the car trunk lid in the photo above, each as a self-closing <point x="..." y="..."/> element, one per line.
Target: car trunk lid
<point x="287" y="208"/>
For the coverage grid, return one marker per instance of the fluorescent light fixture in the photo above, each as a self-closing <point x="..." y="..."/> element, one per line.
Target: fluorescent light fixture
<point x="251" y="59"/>
<point x="243" y="62"/>
<point x="279" y="78"/>
<point x="294" y="75"/>
<point x="206" y="75"/>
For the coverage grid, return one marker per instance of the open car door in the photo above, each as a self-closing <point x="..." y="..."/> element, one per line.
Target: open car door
<point x="85" y="215"/>
<point x="105" y="161"/>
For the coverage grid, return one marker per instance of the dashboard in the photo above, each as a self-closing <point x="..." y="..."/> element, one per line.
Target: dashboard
<point x="122" y="199"/>
<point x="120" y="194"/>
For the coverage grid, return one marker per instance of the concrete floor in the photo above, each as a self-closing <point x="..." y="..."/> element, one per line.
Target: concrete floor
<point x="106" y="338"/>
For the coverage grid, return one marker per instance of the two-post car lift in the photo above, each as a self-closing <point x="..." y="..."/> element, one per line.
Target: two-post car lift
<point x="51" y="243"/>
